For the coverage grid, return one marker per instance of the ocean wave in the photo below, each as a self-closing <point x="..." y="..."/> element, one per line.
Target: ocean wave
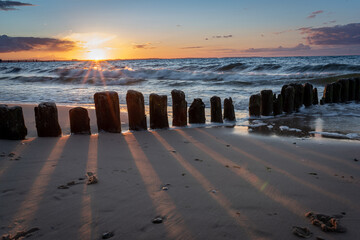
<point x="267" y="67"/>
<point x="233" y="66"/>
<point x="325" y="67"/>
<point x="14" y="70"/>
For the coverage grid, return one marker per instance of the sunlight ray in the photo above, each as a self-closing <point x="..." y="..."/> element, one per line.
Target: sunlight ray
<point x="240" y="218"/>
<point x="30" y="205"/>
<point x="162" y="202"/>
<point x="270" y="191"/>
<point x="334" y="196"/>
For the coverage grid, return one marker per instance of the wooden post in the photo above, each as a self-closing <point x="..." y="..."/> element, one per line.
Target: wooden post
<point x="107" y="111"/>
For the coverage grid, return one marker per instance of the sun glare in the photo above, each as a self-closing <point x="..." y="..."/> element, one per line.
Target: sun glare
<point x="96" y="54"/>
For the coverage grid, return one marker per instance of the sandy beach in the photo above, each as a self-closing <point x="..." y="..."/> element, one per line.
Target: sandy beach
<point x="202" y="183"/>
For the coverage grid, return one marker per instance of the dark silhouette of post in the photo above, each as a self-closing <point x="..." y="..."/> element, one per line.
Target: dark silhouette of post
<point x="215" y="104"/>
<point x="229" y="112"/>
<point x="46" y="118"/>
<point x="179" y="107"/>
<point x="254" y="105"/>
<point x="158" y="111"/>
<point x="136" y="110"/>
<point x="107" y="111"/>
<point x="79" y="121"/>
<point x="12" y="125"/>
<point x="197" y="111"/>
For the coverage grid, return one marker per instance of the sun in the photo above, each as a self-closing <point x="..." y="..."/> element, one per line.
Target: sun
<point x="96" y="54"/>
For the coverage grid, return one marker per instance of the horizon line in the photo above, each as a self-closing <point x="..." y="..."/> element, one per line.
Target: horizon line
<point x="128" y="59"/>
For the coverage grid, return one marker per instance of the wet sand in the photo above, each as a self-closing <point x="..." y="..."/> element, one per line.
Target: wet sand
<point x="204" y="183"/>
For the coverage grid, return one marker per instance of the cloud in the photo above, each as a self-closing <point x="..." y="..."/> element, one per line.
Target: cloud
<point x="299" y="47"/>
<point x="220" y="36"/>
<point x="330" y="22"/>
<point x="16" y="44"/>
<point x="10" y="5"/>
<point x="337" y="35"/>
<point x="143" y="46"/>
<point x="193" y="47"/>
<point x="313" y="14"/>
<point x="225" y="36"/>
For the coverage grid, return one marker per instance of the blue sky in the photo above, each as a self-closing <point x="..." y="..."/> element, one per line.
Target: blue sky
<point x="142" y="29"/>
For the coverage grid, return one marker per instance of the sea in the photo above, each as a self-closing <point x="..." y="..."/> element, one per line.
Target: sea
<point x="75" y="82"/>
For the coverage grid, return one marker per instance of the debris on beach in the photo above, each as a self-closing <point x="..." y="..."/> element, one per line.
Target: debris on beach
<point x="198" y="160"/>
<point x="157" y="220"/>
<point x="268" y="169"/>
<point x="21" y="234"/>
<point x="91" y="178"/>
<point x="303" y="232"/>
<point x="356" y="160"/>
<point x="69" y="184"/>
<point x="312" y="173"/>
<point x="326" y="223"/>
<point x="107" y="235"/>
<point x="165" y="187"/>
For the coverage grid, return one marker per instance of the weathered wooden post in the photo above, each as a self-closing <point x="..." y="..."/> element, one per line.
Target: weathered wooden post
<point x="344" y="89"/>
<point x="266" y="102"/>
<point x="107" y="111"/>
<point x="136" y="110"/>
<point x="46" y="118"/>
<point x="299" y="95"/>
<point x="216" y="115"/>
<point x="12" y="125"/>
<point x="283" y="92"/>
<point x="254" y="105"/>
<point x="197" y="111"/>
<point x="336" y="97"/>
<point x="289" y="99"/>
<point x="308" y="94"/>
<point x="328" y="93"/>
<point x="278" y="104"/>
<point x="158" y="111"/>
<point x="179" y="107"/>
<point x="79" y="121"/>
<point x="229" y="112"/>
<point x="315" y="97"/>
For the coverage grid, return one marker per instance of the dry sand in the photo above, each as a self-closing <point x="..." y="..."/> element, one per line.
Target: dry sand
<point x="220" y="184"/>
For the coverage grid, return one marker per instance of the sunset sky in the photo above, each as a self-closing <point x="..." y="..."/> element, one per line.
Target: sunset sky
<point x="122" y="29"/>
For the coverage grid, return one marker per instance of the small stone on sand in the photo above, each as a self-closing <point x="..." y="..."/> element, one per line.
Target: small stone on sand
<point x="107" y="235"/>
<point x="157" y="220"/>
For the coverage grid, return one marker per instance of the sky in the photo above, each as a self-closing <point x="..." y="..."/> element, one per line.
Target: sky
<point x="132" y="29"/>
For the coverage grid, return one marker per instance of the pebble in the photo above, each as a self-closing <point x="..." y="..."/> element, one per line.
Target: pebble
<point x="107" y="235"/>
<point x="157" y="220"/>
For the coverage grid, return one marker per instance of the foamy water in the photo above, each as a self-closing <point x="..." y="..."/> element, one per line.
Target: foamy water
<point x="76" y="82"/>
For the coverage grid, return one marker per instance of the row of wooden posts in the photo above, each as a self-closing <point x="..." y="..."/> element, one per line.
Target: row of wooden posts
<point x="107" y="110"/>
<point x="295" y="95"/>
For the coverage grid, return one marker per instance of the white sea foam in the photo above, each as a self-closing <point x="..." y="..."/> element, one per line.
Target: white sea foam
<point x="338" y="135"/>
